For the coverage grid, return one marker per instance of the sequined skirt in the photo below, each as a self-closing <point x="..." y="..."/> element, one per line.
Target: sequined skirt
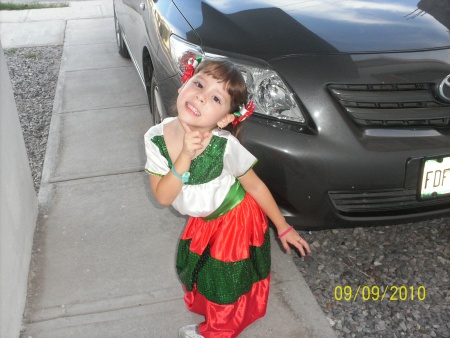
<point x="226" y="263"/>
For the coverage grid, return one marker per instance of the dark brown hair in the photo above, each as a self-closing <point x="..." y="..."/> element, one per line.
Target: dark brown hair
<point x="229" y="74"/>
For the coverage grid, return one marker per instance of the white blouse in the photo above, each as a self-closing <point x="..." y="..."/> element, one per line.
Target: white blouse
<point x="200" y="200"/>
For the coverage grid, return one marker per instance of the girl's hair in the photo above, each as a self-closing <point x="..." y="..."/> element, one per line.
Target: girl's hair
<point x="227" y="72"/>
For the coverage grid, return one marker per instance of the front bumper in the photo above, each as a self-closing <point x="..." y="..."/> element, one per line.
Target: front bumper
<point x="320" y="184"/>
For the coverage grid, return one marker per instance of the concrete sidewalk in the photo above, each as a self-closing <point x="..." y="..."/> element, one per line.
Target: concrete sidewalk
<point x="104" y="253"/>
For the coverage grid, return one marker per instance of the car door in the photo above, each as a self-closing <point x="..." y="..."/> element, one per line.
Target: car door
<point x="134" y="27"/>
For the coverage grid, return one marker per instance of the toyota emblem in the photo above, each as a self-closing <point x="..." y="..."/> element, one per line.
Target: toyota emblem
<point x="444" y="89"/>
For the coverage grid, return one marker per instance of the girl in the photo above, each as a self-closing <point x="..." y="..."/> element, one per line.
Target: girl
<point x="201" y="170"/>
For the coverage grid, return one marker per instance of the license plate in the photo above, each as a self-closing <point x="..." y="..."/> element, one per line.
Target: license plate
<point x="435" y="177"/>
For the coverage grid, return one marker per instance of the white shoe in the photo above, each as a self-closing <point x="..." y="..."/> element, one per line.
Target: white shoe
<point x="189" y="331"/>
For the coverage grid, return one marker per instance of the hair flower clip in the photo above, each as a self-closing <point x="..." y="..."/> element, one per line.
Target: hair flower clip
<point x="190" y="68"/>
<point x="243" y="113"/>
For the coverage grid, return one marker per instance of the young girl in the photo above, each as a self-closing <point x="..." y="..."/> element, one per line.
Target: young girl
<point x="201" y="170"/>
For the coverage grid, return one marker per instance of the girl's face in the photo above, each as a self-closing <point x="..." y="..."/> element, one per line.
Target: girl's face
<point x="203" y="103"/>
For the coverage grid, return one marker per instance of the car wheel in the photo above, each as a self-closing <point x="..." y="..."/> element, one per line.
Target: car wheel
<point x="155" y="101"/>
<point x="121" y="46"/>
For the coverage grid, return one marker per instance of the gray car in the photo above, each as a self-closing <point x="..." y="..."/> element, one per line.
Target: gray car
<point x="352" y="125"/>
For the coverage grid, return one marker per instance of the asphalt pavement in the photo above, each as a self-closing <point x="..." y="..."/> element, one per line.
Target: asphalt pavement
<point x="103" y="263"/>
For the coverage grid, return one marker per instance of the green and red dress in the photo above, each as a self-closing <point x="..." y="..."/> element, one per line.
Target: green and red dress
<point x="223" y="257"/>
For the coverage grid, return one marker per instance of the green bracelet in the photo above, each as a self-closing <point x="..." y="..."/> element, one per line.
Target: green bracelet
<point x="184" y="176"/>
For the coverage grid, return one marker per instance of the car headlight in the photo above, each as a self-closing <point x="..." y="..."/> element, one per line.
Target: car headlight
<point x="271" y="95"/>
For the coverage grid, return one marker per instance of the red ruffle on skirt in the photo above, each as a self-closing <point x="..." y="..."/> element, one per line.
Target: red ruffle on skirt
<point x="234" y="232"/>
<point x="228" y="321"/>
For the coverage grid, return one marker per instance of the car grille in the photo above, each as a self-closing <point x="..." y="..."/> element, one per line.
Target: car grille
<point x="384" y="202"/>
<point x="392" y="105"/>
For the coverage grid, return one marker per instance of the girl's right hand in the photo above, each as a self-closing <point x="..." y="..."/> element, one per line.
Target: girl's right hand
<point x="192" y="141"/>
<point x="293" y="238"/>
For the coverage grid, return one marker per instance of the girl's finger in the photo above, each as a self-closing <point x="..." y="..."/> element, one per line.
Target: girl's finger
<point x="197" y="140"/>
<point x="306" y="246"/>
<point x="205" y="135"/>
<point x="299" y="241"/>
<point x="286" y="246"/>
<point x="302" y="251"/>
<point x="197" y="146"/>
<point x="194" y="134"/>
<point x="185" y="127"/>
<point x="298" y="247"/>
<point x="302" y="248"/>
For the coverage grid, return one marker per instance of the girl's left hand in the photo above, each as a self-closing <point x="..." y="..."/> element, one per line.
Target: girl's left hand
<point x="293" y="238"/>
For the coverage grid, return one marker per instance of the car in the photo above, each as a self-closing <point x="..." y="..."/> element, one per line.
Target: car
<point x="352" y="119"/>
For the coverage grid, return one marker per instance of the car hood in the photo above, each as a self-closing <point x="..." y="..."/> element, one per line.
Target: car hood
<point x="271" y="29"/>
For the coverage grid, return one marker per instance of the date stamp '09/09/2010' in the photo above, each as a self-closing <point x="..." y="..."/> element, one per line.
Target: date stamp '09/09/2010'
<point x="376" y="293"/>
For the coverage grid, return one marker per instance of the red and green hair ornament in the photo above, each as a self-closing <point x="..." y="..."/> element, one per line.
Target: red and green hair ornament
<point x="243" y="113"/>
<point x="190" y="69"/>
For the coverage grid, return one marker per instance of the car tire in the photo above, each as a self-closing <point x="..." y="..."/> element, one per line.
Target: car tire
<point x="154" y="100"/>
<point x="121" y="46"/>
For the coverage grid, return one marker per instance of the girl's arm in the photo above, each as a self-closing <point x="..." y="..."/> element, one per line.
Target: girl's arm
<point x="259" y="191"/>
<point x="167" y="188"/>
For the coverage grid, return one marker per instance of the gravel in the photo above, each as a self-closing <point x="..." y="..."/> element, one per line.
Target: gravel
<point x="34" y="74"/>
<point x="414" y="257"/>
<point x="410" y="261"/>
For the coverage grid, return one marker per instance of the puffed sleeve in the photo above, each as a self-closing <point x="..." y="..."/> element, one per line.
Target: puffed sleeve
<point x="237" y="159"/>
<point x="156" y="163"/>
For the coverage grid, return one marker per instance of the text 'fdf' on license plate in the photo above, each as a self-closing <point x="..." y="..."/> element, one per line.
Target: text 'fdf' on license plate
<point x="435" y="177"/>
